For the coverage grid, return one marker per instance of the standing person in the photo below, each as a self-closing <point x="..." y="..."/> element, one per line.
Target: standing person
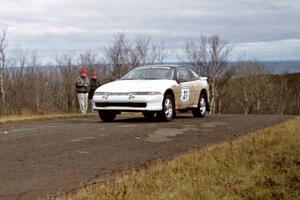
<point x="94" y="85"/>
<point x="82" y="89"/>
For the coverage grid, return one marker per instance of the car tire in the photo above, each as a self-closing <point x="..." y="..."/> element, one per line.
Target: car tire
<point x="148" y="114"/>
<point x="167" y="113"/>
<point x="200" y="111"/>
<point x="106" y="115"/>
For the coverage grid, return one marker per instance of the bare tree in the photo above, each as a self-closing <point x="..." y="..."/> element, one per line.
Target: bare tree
<point x="251" y="85"/>
<point x="283" y="90"/>
<point x="134" y="57"/>
<point x="287" y="94"/>
<point x="209" y="56"/>
<point x="27" y="87"/>
<point x="197" y="54"/>
<point x="68" y="70"/>
<point x="20" y="87"/>
<point x="123" y="55"/>
<point x="219" y="52"/>
<point x="117" y="55"/>
<point x="147" y="52"/>
<point x="158" y="53"/>
<point x="31" y="82"/>
<point x="298" y="98"/>
<point x="35" y="74"/>
<point x="3" y="45"/>
<point x="88" y="59"/>
<point x="221" y="88"/>
<point x="142" y="46"/>
<point x="297" y="94"/>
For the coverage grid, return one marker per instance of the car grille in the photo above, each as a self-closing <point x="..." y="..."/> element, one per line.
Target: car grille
<point x="134" y="105"/>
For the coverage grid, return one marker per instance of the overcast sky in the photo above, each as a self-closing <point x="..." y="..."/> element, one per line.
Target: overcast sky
<point x="259" y="29"/>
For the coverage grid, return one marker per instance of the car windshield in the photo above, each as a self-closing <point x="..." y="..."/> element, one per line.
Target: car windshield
<point x="149" y="73"/>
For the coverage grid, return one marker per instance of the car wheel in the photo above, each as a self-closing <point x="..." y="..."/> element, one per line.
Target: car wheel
<point x="200" y="111"/>
<point x="106" y="115"/>
<point x="148" y="114"/>
<point x="167" y="112"/>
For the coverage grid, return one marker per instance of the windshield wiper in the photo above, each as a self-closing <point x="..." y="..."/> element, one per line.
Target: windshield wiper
<point x="151" y="78"/>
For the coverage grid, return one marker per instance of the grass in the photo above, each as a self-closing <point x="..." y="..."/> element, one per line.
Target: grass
<point x="33" y="117"/>
<point x="262" y="165"/>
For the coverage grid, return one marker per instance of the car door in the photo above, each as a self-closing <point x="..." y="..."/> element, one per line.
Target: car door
<point x="186" y="86"/>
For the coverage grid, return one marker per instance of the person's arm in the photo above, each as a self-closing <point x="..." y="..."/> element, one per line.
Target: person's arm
<point x="79" y="83"/>
<point x="87" y="84"/>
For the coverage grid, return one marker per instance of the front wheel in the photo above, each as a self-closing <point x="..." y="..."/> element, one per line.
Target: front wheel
<point x="200" y="111"/>
<point x="167" y="112"/>
<point x="107" y="115"/>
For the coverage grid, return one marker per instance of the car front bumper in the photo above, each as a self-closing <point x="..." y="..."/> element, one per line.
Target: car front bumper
<point x="128" y="102"/>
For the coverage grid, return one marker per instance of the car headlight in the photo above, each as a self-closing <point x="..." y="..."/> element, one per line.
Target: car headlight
<point x="102" y="93"/>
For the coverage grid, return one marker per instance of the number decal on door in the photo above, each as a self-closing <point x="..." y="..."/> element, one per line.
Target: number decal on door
<point x="185" y="93"/>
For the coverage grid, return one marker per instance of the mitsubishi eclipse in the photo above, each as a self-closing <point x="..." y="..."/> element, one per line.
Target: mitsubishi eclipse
<point x="154" y="89"/>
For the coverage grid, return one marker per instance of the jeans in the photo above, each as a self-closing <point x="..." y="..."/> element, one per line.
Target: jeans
<point x="91" y="105"/>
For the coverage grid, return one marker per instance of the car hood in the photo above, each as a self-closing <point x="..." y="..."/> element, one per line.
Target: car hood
<point x="137" y="86"/>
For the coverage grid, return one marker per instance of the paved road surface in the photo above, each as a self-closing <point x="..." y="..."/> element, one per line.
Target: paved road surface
<point x="48" y="157"/>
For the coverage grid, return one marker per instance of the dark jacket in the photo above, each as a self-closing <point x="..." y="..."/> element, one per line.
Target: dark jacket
<point x="82" y="85"/>
<point x="94" y="85"/>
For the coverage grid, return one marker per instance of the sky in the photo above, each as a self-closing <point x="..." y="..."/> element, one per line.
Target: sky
<point x="258" y="29"/>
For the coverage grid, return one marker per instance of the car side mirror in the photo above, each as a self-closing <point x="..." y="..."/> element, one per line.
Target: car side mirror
<point x="181" y="80"/>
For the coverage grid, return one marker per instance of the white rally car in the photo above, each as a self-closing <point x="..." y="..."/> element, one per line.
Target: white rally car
<point x="154" y="89"/>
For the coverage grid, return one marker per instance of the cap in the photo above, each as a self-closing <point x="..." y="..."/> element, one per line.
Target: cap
<point x="83" y="72"/>
<point x="94" y="74"/>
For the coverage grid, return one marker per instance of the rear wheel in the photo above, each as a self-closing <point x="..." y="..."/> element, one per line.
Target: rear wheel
<point x="200" y="111"/>
<point x="148" y="114"/>
<point x="167" y="112"/>
<point x="107" y="115"/>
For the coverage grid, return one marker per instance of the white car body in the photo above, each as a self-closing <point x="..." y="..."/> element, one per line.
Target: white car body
<point x="147" y="95"/>
<point x="126" y="91"/>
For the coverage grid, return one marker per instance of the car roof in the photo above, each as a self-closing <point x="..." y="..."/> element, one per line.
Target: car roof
<point x="174" y="66"/>
<point x="163" y="65"/>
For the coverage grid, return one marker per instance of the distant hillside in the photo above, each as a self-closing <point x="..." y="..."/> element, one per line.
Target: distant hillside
<point x="275" y="67"/>
<point x="279" y="67"/>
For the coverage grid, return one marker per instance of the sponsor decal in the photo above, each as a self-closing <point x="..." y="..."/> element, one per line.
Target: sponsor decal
<point x="130" y="97"/>
<point x="185" y="93"/>
<point x="105" y="97"/>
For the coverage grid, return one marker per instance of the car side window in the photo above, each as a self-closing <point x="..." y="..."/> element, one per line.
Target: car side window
<point x="195" y="76"/>
<point x="183" y="74"/>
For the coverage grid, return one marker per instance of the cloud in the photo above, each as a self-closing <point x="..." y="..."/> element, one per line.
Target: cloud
<point x="84" y="24"/>
<point x="274" y="50"/>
